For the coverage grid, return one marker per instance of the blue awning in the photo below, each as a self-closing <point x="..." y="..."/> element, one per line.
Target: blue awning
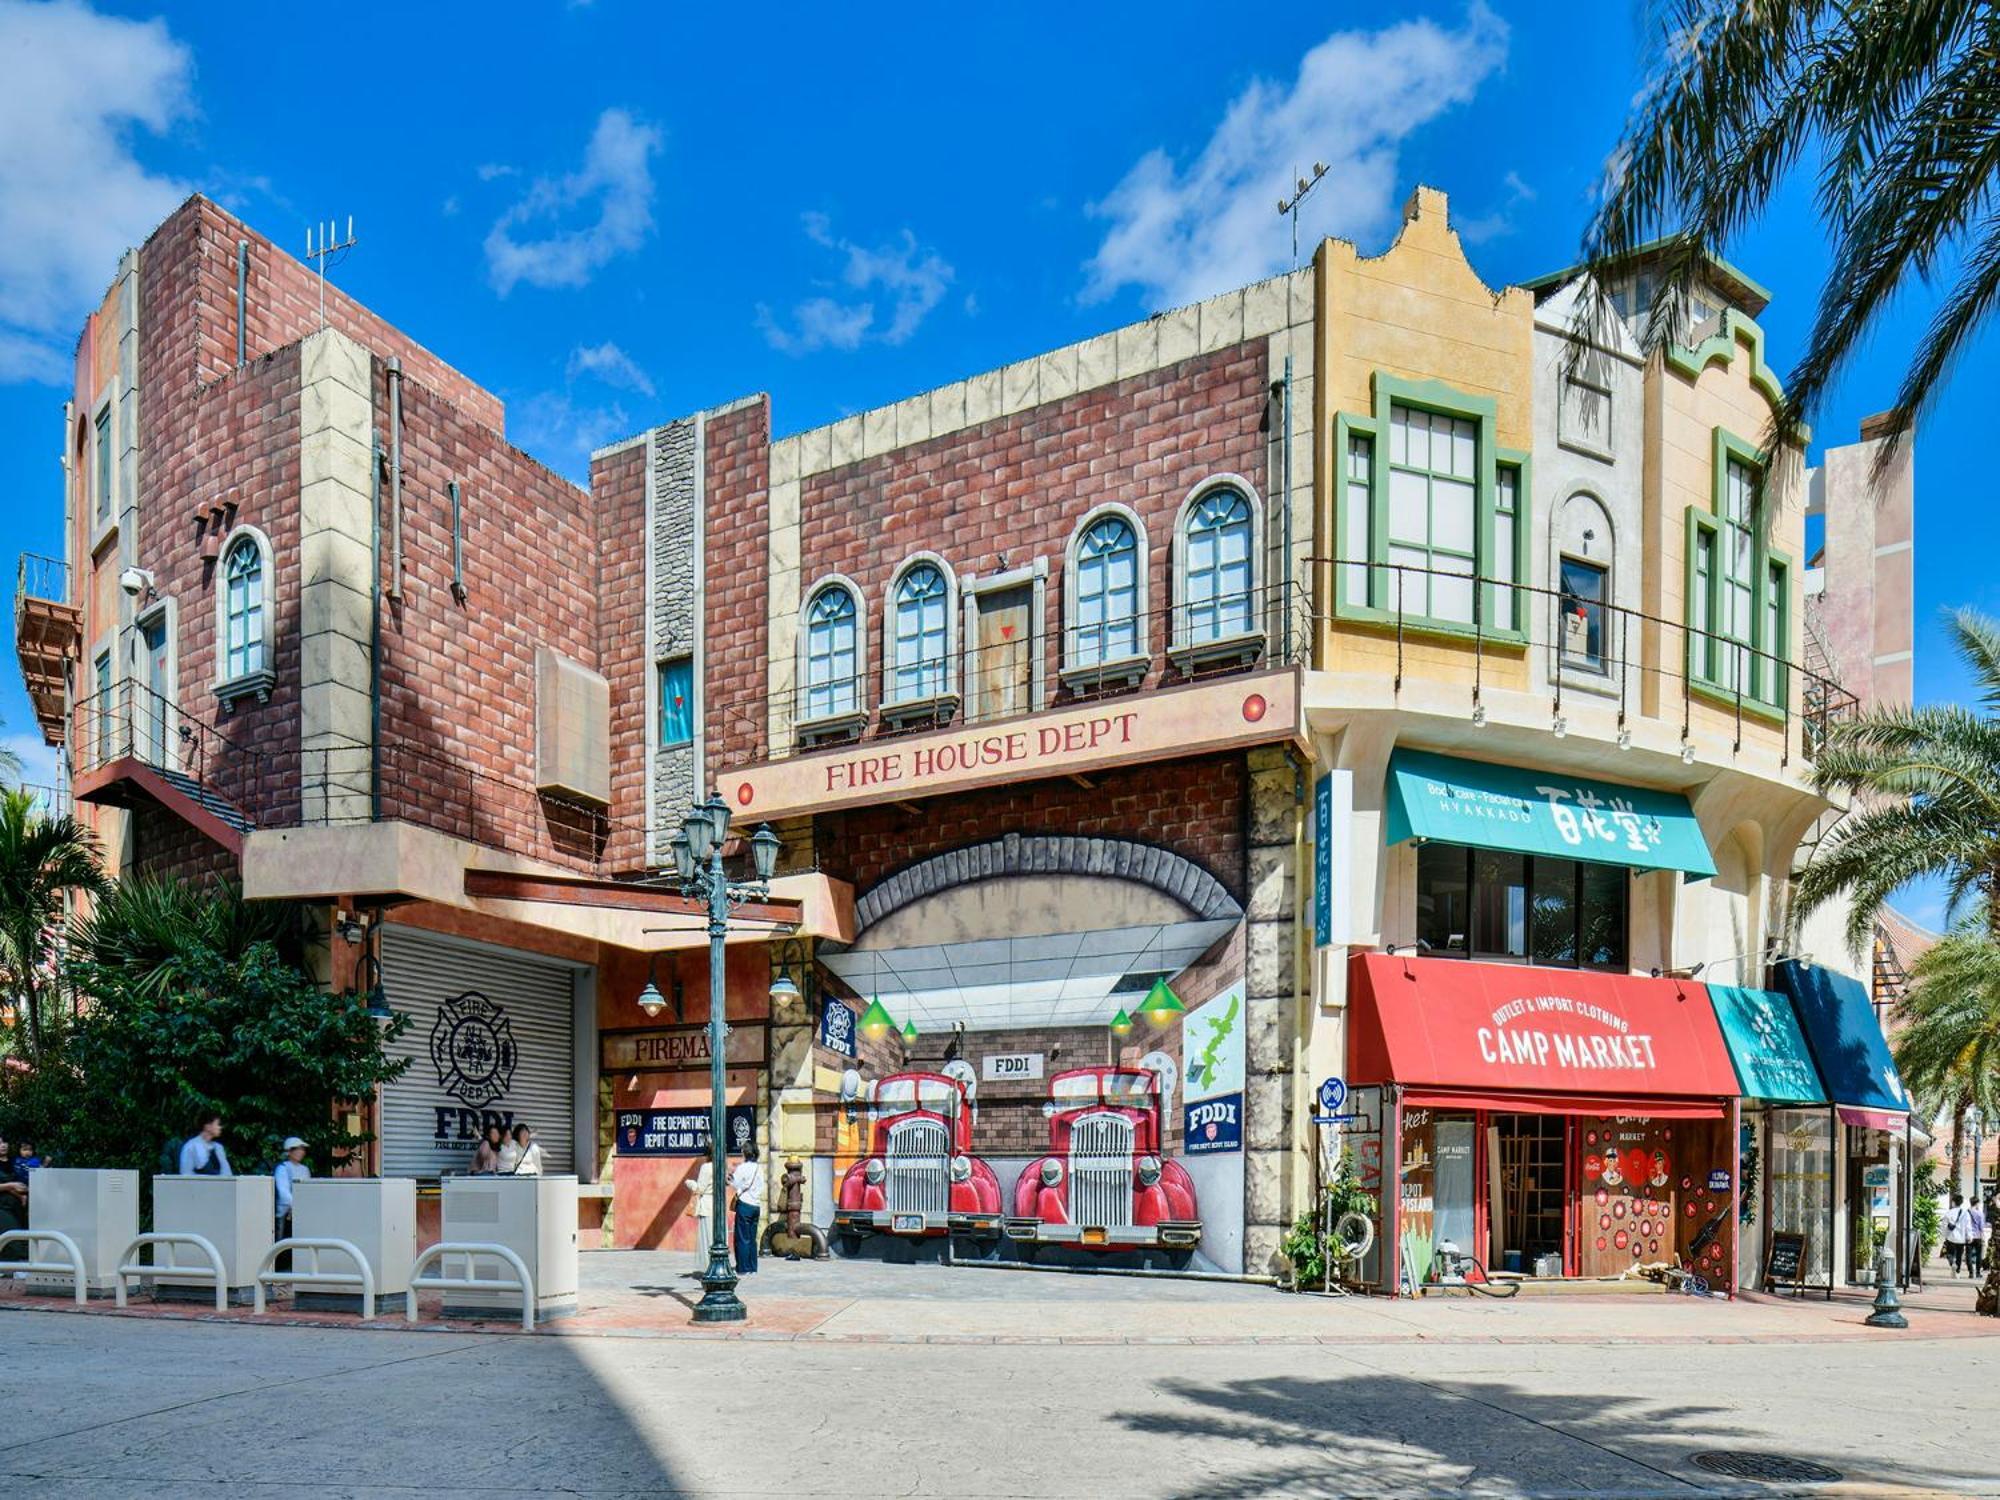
<point x="1846" y="1039"/>
<point x="1773" y="1063"/>
<point x="1542" y="812"/>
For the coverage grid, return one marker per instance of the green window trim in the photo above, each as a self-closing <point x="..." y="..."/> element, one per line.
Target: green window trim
<point x="1494" y="601"/>
<point x="1769" y="681"/>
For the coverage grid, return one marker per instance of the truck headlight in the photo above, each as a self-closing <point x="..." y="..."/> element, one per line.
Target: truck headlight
<point x="1051" y="1172"/>
<point x="961" y="1169"/>
<point x="873" y="1170"/>
<point x="1149" y="1170"/>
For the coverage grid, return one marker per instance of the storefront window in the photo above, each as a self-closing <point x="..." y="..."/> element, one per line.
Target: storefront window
<point x="1801" y="1186"/>
<point x="1490" y="904"/>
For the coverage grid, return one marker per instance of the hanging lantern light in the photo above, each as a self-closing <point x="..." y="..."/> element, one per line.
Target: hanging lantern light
<point x="1161" y="1004"/>
<point x="651" y="1001"/>
<point x="909" y="1032"/>
<point x="1121" y="1024"/>
<point x="876" y="1020"/>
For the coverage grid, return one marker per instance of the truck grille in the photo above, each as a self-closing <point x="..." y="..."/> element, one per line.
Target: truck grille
<point x="919" y="1165"/>
<point x="1100" y="1172"/>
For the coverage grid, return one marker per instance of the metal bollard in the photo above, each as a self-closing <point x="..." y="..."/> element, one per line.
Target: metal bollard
<point x="1888" y="1309"/>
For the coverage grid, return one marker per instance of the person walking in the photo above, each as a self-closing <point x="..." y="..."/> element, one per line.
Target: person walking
<point x="290" y="1170"/>
<point x="486" y="1155"/>
<point x="1975" y="1236"/>
<point x="521" y="1157"/>
<point x="202" y="1154"/>
<point x="1956" y="1230"/>
<point x="747" y="1183"/>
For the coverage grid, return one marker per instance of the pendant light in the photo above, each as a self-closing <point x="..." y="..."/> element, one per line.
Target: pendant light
<point x="1161" y="1004"/>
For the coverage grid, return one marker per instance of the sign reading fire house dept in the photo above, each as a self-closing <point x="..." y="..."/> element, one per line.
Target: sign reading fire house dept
<point x="1225" y="714"/>
<point x="675" y="1049"/>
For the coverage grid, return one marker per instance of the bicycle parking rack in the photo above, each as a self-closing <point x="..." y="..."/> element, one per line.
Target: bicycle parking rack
<point x="129" y="1264"/>
<point x="361" y="1277"/>
<point x="73" y="1268"/>
<point x="471" y="1250"/>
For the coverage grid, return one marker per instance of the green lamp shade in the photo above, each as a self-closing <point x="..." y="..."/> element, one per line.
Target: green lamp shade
<point x="1121" y="1024"/>
<point x="909" y="1031"/>
<point x="876" y="1020"/>
<point x="1161" y="1004"/>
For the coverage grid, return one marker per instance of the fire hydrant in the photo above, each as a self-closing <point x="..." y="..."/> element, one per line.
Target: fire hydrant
<point x="1888" y="1309"/>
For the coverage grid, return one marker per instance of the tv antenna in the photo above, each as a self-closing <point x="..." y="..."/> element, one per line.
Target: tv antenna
<point x="325" y="244"/>
<point x="1289" y="207"/>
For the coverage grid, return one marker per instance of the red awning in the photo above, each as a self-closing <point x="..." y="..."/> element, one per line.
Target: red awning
<point x="1873" y="1119"/>
<point x="1507" y="1037"/>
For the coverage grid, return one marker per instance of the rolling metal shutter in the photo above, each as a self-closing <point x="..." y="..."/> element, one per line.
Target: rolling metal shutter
<point x="532" y="1016"/>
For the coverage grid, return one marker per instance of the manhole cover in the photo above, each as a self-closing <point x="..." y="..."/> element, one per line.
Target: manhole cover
<point x="1774" y="1466"/>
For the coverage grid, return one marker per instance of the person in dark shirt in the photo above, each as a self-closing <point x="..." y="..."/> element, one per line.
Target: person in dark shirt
<point x="13" y="1199"/>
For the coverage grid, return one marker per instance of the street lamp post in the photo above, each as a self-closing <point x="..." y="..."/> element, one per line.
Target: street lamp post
<point x="697" y="851"/>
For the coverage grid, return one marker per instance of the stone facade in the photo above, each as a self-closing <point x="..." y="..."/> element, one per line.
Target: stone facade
<point x="675" y="608"/>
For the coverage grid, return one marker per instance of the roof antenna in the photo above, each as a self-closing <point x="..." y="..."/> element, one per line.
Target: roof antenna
<point x="324" y="243"/>
<point x="1289" y="207"/>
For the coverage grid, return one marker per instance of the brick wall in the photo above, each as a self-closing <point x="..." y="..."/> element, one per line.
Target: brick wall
<point x="164" y="846"/>
<point x="618" y="498"/>
<point x="1017" y="487"/>
<point x="1193" y="807"/>
<point x="736" y="564"/>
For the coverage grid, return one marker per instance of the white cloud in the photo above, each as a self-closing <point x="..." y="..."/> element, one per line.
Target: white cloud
<point x="1179" y="234"/>
<point x="616" y="177"/>
<point x="562" y="432"/>
<point x="1491" y="226"/>
<point x="908" y="277"/>
<point x="38" y="765"/>
<point x="72" y="195"/>
<point x="610" y="364"/>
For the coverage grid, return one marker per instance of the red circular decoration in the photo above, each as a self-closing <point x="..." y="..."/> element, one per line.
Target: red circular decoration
<point x="1621" y="1239"/>
<point x="1255" y="707"/>
<point x="1668" y="1132"/>
<point x="1637" y="1249"/>
<point x="744" y="794"/>
<point x="1604" y="1221"/>
<point x="1593" y="1165"/>
<point x="1600" y="1242"/>
<point x="1652" y="1247"/>
<point x="1687" y="1184"/>
<point x="1602" y="1197"/>
<point x="1690" y="1210"/>
<point x="1618" y="1209"/>
<point x="1590" y="1138"/>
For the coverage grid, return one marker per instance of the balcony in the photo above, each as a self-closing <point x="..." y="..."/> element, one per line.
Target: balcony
<point x="48" y="636"/>
<point x="1476" y="643"/>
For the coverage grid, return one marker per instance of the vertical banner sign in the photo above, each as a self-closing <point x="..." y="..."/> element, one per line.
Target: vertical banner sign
<point x="836" y="1026"/>
<point x="1333" y="806"/>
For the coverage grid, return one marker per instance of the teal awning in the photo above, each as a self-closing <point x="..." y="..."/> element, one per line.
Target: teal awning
<point x="1542" y="812"/>
<point x="1773" y="1063"/>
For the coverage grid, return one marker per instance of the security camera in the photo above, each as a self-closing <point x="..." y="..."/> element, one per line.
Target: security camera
<point x="136" y="581"/>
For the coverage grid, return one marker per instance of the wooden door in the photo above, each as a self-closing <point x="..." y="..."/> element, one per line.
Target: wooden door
<point x="1002" y="670"/>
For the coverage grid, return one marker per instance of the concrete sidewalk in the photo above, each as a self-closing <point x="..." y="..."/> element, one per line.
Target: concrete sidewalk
<point x="636" y="1294"/>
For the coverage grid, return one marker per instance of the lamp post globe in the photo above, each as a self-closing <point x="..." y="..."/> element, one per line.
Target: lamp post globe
<point x="764" y="846"/>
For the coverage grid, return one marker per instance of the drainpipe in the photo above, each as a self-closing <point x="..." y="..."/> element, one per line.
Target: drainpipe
<point x="242" y="299"/>
<point x="1285" y="510"/>
<point x="395" y="478"/>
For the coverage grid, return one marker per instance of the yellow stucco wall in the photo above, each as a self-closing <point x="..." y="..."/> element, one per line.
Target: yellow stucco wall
<point x="1418" y="311"/>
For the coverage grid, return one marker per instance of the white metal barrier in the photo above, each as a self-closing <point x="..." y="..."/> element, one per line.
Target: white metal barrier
<point x="361" y="1276"/>
<point x="129" y="1264"/>
<point x="523" y="1282"/>
<point x="73" y="1268"/>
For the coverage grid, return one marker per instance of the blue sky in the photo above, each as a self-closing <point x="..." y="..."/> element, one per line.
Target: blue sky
<point x="614" y="213"/>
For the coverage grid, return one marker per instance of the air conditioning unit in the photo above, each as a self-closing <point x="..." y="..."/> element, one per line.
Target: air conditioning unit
<point x="377" y="1215"/>
<point x="235" y="1214"/>
<point x="535" y="1217"/>
<point x="98" y="1208"/>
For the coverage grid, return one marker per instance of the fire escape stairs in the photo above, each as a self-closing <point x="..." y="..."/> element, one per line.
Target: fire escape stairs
<point x="119" y="782"/>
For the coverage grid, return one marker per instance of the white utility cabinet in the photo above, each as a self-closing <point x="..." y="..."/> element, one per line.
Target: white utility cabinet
<point x="234" y="1214"/>
<point x="377" y="1215"/>
<point x="535" y="1217"/>
<point x="96" y="1207"/>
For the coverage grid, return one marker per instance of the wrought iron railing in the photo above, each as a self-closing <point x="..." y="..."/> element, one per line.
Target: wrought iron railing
<point x="982" y="682"/>
<point x="39" y="577"/>
<point x="1644" y="664"/>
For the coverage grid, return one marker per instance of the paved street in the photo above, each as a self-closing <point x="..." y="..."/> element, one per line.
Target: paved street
<point x="1562" y="1395"/>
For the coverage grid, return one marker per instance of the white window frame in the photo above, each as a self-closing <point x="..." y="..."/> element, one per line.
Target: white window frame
<point x="258" y="682"/>
<point x="1568" y="544"/>
<point x="1109" y="669"/>
<point x="947" y="694"/>
<point x="804" y="720"/>
<point x="168" y="614"/>
<point x="1249" y="643"/>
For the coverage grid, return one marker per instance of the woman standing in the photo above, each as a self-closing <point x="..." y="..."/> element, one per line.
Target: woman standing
<point x="521" y="1157"/>
<point x="486" y="1155"/>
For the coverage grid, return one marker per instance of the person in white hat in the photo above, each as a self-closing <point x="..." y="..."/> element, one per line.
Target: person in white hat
<point x="291" y="1168"/>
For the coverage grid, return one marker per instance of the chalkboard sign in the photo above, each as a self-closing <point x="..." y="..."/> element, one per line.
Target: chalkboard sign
<point x="1786" y="1260"/>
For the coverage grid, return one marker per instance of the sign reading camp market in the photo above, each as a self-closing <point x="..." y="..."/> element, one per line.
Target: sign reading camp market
<point x="472" y="1048"/>
<point x="679" y="1049"/>
<point x="1573" y="1034"/>
<point x="682" y="1132"/>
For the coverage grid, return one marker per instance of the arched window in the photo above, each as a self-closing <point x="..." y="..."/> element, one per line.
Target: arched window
<point x="243" y="614"/>
<point x="1217" y="572"/>
<point x="1106" y="582"/>
<point x="243" y="609"/>
<point x="832" y="654"/>
<point x="1587" y="627"/>
<point x="920" y="635"/>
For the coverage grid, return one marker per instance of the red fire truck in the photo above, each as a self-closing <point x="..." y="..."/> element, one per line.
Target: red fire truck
<point x="1104" y="1184"/>
<point x="919" y="1176"/>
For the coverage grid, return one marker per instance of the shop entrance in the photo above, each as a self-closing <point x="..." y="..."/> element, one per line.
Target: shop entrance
<point x="1528" y="1156"/>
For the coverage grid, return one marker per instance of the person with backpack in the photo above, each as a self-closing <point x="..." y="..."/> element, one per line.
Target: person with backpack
<point x="1957" y="1230"/>
<point x="202" y="1154"/>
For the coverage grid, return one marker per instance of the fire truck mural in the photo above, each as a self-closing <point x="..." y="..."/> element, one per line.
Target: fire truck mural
<point x="1106" y="1183"/>
<point x="919" y="1177"/>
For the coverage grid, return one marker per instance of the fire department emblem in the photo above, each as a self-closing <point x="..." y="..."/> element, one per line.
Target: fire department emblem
<point x="472" y="1047"/>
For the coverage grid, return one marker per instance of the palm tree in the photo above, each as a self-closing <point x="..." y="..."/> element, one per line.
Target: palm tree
<point x="1926" y="787"/>
<point x="42" y="861"/>
<point x="148" y="926"/>
<point x="1900" y="101"/>
<point x="1948" y="1047"/>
